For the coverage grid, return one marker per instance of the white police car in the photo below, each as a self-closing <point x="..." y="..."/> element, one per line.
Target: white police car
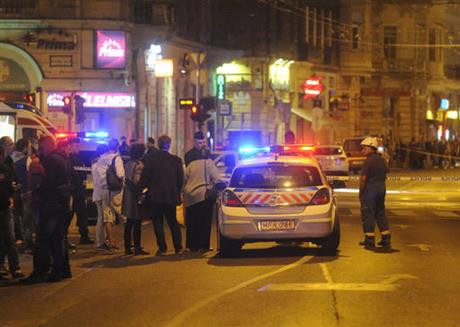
<point x="277" y="198"/>
<point x="333" y="159"/>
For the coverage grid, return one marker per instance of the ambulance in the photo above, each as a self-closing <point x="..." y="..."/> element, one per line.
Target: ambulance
<point x="18" y="120"/>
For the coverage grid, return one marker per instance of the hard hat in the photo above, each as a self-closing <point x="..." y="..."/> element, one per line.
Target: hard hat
<point x="370" y="141"/>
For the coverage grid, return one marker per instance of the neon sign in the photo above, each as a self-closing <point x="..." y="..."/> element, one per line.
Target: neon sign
<point x="312" y="87"/>
<point x="110" y="49"/>
<point x="220" y="87"/>
<point x="95" y="99"/>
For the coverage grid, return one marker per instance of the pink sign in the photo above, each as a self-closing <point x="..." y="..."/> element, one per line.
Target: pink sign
<point x="110" y="49"/>
<point x="95" y="99"/>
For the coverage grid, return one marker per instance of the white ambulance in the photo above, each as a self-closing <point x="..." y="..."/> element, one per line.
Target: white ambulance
<point x="19" y="120"/>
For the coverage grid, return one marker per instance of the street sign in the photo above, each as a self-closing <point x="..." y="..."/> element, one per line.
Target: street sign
<point x="225" y="108"/>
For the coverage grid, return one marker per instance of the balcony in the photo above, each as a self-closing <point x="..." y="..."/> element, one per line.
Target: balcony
<point x="452" y="72"/>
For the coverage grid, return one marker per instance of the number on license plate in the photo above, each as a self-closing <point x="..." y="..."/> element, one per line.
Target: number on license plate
<point x="275" y="225"/>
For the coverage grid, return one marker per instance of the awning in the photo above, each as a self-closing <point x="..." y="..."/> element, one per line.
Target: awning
<point x="303" y="113"/>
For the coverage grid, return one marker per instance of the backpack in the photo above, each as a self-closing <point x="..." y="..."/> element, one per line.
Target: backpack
<point x="114" y="183"/>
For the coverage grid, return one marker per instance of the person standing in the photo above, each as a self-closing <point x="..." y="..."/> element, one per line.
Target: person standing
<point x="372" y="191"/>
<point x="78" y="190"/>
<point x="200" y="175"/>
<point x="7" y="244"/>
<point x="130" y="206"/>
<point x="54" y="212"/>
<point x="163" y="176"/>
<point x="108" y="200"/>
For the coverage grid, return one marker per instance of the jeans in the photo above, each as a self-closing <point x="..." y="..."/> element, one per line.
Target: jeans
<point x="198" y="222"/>
<point x="373" y="208"/>
<point x="159" y="212"/>
<point x="7" y="241"/>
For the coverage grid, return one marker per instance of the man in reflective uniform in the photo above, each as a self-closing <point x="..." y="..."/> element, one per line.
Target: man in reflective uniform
<point x="372" y="192"/>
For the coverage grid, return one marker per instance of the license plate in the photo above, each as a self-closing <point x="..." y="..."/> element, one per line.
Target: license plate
<point x="275" y="225"/>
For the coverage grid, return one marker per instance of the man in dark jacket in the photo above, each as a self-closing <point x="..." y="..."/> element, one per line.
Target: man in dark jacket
<point x="163" y="175"/>
<point x="7" y="246"/>
<point x="78" y="190"/>
<point x="54" y="212"/>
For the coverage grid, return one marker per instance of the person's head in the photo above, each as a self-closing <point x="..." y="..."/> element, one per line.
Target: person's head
<point x="136" y="151"/>
<point x="164" y="142"/>
<point x="101" y="149"/>
<point x="150" y="142"/>
<point x="22" y="145"/>
<point x="199" y="141"/>
<point x="7" y="144"/>
<point x="113" y="145"/>
<point x="46" y="145"/>
<point x="123" y="139"/>
<point x="74" y="145"/>
<point x="369" y="145"/>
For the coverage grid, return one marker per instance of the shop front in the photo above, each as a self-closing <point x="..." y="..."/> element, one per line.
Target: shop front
<point x="113" y="112"/>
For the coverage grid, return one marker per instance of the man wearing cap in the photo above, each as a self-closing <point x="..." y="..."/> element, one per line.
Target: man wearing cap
<point x="200" y="174"/>
<point x="372" y="192"/>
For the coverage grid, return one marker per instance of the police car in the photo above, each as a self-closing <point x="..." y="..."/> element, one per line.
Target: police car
<point x="332" y="159"/>
<point x="277" y="198"/>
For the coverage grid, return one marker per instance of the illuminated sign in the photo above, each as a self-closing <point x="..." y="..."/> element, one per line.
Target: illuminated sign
<point x="153" y="54"/>
<point x="164" y="68"/>
<point x="220" y="87"/>
<point x="444" y="105"/>
<point x="186" y="103"/>
<point x="95" y="99"/>
<point x="110" y="49"/>
<point x="312" y="87"/>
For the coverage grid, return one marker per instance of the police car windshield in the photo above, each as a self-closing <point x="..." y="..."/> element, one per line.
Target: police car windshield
<point x="275" y="177"/>
<point x="330" y="151"/>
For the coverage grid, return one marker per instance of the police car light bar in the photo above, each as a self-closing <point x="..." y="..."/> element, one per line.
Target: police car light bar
<point x="100" y="134"/>
<point x="66" y="135"/>
<point x="249" y="150"/>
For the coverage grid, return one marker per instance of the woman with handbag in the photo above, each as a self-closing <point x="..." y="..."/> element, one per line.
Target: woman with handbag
<point x="200" y="196"/>
<point x="130" y="204"/>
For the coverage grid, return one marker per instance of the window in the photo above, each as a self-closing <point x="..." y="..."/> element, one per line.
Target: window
<point x="142" y="11"/>
<point x="390" y="38"/>
<point x="389" y="107"/>
<point x="275" y="177"/>
<point x="17" y="6"/>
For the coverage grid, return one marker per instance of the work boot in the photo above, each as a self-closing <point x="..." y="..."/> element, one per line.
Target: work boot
<point x="385" y="242"/>
<point x="368" y="242"/>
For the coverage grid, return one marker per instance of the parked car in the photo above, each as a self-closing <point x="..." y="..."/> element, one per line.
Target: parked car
<point x="333" y="159"/>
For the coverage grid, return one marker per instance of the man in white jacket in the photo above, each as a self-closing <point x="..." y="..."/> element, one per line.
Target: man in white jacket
<point x="200" y="173"/>
<point x="108" y="202"/>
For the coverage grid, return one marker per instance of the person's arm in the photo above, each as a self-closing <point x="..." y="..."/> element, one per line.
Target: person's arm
<point x="363" y="177"/>
<point x="180" y="175"/>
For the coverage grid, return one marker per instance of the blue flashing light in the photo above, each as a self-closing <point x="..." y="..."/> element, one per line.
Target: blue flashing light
<point x="100" y="134"/>
<point x="249" y="150"/>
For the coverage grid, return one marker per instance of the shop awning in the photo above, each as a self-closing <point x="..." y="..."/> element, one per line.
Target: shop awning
<point x="303" y="113"/>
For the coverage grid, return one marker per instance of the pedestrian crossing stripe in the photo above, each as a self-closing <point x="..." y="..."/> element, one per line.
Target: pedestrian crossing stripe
<point x="404" y="213"/>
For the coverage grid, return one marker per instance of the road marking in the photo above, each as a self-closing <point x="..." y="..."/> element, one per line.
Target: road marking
<point x="355" y="212"/>
<point x="446" y="214"/>
<point x="181" y="317"/>
<point x="422" y="247"/>
<point x="65" y="283"/>
<point x="387" y="285"/>
<point x="407" y="213"/>
<point x="402" y="226"/>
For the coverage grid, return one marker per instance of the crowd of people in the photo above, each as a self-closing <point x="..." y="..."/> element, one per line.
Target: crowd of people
<point x="420" y="154"/>
<point x="42" y="187"/>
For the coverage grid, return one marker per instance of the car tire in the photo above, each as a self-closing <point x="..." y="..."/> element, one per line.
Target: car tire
<point x="330" y="244"/>
<point x="228" y="248"/>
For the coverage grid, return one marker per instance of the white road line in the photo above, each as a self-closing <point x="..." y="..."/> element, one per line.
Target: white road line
<point x="65" y="283"/>
<point x="373" y="287"/>
<point x="406" y="213"/>
<point x="326" y="273"/>
<point x="446" y="214"/>
<point x="181" y="317"/>
<point x="422" y="247"/>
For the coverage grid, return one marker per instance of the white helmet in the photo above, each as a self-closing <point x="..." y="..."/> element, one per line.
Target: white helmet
<point x="370" y="141"/>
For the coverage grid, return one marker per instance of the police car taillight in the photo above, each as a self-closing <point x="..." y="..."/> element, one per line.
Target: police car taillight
<point x="321" y="197"/>
<point x="229" y="199"/>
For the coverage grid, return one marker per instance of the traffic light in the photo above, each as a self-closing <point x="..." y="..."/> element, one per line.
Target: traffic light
<point x="67" y="109"/>
<point x="30" y="98"/>
<point x="79" y="109"/>
<point x="195" y="113"/>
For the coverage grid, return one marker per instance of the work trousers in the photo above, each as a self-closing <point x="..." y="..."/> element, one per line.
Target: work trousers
<point x="79" y="208"/>
<point x="51" y="249"/>
<point x="159" y="212"/>
<point x="373" y="208"/>
<point x="198" y="220"/>
<point x="133" y="226"/>
<point x="7" y="241"/>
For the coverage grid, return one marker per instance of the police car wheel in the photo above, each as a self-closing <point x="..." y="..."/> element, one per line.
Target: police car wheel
<point x="228" y="248"/>
<point x="330" y="244"/>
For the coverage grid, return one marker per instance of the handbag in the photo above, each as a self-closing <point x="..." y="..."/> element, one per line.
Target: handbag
<point x="211" y="193"/>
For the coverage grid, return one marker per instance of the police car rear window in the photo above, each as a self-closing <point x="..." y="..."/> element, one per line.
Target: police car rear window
<point x="327" y="151"/>
<point x="275" y="177"/>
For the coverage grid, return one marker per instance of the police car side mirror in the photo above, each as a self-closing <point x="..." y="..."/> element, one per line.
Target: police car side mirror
<point x="335" y="184"/>
<point x="221" y="186"/>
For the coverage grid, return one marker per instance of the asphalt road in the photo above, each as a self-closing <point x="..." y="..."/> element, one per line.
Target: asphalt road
<point x="269" y="285"/>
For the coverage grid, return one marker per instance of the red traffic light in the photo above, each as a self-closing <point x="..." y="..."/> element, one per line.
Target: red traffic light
<point x="194" y="109"/>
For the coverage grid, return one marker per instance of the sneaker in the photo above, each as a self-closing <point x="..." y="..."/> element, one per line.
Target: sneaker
<point x="17" y="274"/>
<point x="141" y="252"/>
<point x="160" y="253"/>
<point x="85" y="241"/>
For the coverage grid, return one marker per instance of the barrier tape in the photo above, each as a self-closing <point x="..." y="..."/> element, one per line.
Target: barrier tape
<point x="400" y="178"/>
<point x="429" y="153"/>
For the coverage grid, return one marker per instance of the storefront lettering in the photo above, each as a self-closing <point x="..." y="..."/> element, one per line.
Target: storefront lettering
<point x="95" y="99"/>
<point x="55" y="45"/>
<point x="111" y="48"/>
